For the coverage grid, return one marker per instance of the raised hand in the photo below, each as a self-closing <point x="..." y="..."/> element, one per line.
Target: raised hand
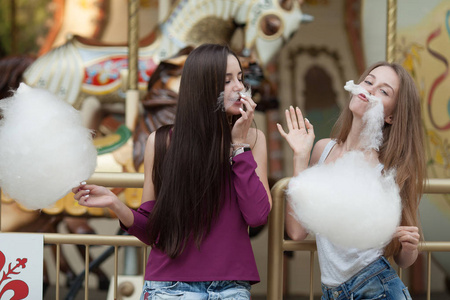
<point x="300" y="136"/>
<point x="242" y="125"/>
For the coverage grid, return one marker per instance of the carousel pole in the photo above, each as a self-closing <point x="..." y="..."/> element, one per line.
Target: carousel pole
<point x="132" y="94"/>
<point x="131" y="109"/>
<point x="391" y="30"/>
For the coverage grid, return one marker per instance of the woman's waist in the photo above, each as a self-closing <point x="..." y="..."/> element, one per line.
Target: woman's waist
<point x="379" y="267"/>
<point x="339" y="264"/>
<point x="202" y="264"/>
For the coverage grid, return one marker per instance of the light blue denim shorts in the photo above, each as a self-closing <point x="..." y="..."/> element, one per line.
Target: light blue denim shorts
<point x="201" y="290"/>
<point x="376" y="281"/>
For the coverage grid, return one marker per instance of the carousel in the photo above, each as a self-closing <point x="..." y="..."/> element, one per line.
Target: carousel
<point x="118" y="65"/>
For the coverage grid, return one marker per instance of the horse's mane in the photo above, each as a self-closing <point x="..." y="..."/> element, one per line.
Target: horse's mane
<point x="159" y="103"/>
<point x="12" y="68"/>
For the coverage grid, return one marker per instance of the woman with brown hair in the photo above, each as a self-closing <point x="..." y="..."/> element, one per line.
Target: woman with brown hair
<point x="350" y="273"/>
<point x="205" y="183"/>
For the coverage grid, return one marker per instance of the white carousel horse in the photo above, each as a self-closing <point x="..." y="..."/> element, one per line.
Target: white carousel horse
<point x="79" y="69"/>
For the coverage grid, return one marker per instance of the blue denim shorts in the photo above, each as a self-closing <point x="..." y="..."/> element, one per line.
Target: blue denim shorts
<point x="376" y="281"/>
<point x="201" y="290"/>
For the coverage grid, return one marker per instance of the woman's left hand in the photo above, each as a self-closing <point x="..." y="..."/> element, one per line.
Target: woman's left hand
<point x="408" y="236"/>
<point x="242" y="125"/>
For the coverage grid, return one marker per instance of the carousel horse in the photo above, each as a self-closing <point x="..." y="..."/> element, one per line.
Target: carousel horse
<point x="92" y="76"/>
<point x="82" y="68"/>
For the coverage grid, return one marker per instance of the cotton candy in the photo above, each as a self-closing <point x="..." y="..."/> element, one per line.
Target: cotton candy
<point x="45" y="150"/>
<point x="237" y="95"/>
<point x="373" y="119"/>
<point x="348" y="201"/>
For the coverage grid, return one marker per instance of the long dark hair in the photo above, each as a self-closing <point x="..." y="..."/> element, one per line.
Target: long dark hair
<point x="402" y="148"/>
<point x="189" y="178"/>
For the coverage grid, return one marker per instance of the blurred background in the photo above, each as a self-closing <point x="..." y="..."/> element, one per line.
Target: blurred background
<point x="297" y="53"/>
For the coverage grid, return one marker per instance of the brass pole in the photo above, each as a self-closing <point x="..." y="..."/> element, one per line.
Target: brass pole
<point x="437" y="186"/>
<point x="133" y="36"/>
<point x="132" y="95"/>
<point x="311" y="275"/>
<point x="86" y="273"/>
<point x="116" y="270"/>
<point x="429" y="276"/>
<point x="275" y="242"/>
<point x="58" y="268"/>
<point x="391" y="30"/>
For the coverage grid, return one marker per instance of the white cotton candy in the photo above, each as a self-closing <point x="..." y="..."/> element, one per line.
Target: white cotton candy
<point x="237" y="95"/>
<point x="45" y="150"/>
<point x="372" y="134"/>
<point x="347" y="201"/>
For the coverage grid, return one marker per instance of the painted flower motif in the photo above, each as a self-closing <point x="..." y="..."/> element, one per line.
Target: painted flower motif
<point x="19" y="287"/>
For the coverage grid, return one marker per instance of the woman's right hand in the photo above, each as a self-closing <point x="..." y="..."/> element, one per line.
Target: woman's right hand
<point x="300" y="136"/>
<point x="91" y="195"/>
<point x="242" y="125"/>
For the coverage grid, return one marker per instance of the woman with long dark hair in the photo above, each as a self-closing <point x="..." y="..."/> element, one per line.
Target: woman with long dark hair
<point x="205" y="183"/>
<point x="351" y="273"/>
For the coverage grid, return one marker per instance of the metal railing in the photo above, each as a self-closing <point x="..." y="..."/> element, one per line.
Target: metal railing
<point x="88" y="240"/>
<point x="126" y="180"/>
<point x="277" y="244"/>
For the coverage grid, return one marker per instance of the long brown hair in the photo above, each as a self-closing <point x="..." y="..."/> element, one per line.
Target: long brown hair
<point x="189" y="178"/>
<point x="402" y="147"/>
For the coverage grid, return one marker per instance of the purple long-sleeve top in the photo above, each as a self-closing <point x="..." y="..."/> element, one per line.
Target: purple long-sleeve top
<point x="226" y="252"/>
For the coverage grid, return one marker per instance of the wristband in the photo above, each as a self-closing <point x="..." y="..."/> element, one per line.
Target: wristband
<point x="238" y="151"/>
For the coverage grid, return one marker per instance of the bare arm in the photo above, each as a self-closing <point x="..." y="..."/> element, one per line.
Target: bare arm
<point x="300" y="138"/>
<point x="91" y="195"/>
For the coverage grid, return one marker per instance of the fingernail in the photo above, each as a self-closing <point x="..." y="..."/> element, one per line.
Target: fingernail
<point x="241" y="109"/>
<point x="83" y="183"/>
<point x="307" y="120"/>
<point x="87" y="191"/>
<point x="87" y="196"/>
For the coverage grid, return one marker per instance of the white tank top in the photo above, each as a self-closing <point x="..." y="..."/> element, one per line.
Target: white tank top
<point x="338" y="264"/>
